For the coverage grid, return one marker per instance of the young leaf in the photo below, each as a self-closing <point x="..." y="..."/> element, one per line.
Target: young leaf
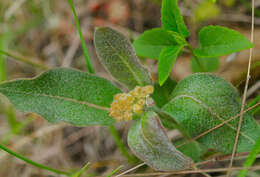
<point x="172" y="19"/>
<point x="117" y="55"/>
<point x="151" y="42"/>
<point x="166" y="60"/>
<point x="208" y="64"/>
<point x="64" y="95"/>
<point x="162" y="93"/>
<point x="217" y="41"/>
<point x="203" y="101"/>
<point x="147" y="139"/>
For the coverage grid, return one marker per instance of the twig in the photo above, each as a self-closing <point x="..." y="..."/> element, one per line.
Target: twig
<point x="192" y="171"/>
<point x="245" y="92"/>
<point x="131" y="169"/>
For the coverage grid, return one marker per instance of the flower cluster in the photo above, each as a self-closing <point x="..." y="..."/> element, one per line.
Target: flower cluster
<point x="125" y="105"/>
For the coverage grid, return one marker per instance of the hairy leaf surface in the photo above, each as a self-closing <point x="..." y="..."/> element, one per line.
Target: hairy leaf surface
<point x="149" y="142"/>
<point x="64" y="95"/>
<point x="217" y="41"/>
<point x="117" y="55"/>
<point x="202" y="101"/>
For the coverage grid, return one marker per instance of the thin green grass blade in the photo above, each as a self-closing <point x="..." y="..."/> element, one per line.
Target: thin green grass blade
<point x="33" y="163"/>
<point x="84" y="47"/>
<point x="81" y="171"/>
<point x="114" y="171"/>
<point x="251" y="158"/>
<point x="252" y="103"/>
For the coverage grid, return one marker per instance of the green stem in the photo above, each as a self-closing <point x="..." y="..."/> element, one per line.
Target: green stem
<point x="114" y="171"/>
<point x="2" y="68"/>
<point x="120" y="145"/>
<point x="84" y="47"/>
<point x="34" y="163"/>
<point x="80" y="172"/>
<point x="196" y="58"/>
<point x="24" y="60"/>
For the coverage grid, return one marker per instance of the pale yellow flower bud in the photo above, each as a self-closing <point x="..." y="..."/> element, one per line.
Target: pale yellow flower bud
<point x="125" y="104"/>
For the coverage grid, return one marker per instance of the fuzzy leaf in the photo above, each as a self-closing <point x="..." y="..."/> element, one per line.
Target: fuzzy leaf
<point x="217" y="41"/>
<point x="147" y="139"/>
<point x="151" y="42"/>
<point x="117" y="55"/>
<point x="172" y="19"/>
<point x="64" y="95"/>
<point x="202" y="101"/>
<point x="208" y="64"/>
<point x="167" y="58"/>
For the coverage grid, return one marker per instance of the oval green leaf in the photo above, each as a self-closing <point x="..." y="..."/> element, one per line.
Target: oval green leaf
<point x="203" y="101"/>
<point x="64" y="95"/>
<point x="167" y="58"/>
<point x="151" y="42"/>
<point x="217" y="41"/>
<point x="117" y="55"/>
<point x="148" y="140"/>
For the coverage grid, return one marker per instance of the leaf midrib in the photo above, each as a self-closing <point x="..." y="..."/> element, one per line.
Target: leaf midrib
<point x="127" y="65"/>
<point x="60" y="98"/>
<point x="214" y="114"/>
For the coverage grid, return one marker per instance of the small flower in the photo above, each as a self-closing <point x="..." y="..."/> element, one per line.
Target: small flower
<point x="125" y="105"/>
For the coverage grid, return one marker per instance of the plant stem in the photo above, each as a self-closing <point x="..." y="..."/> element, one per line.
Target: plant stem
<point x="114" y="171"/>
<point x="34" y="163"/>
<point x="80" y="172"/>
<point x="3" y="45"/>
<point x="2" y="68"/>
<point x="120" y="145"/>
<point x="24" y="60"/>
<point x="84" y="47"/>
<point x="196" y="58"/>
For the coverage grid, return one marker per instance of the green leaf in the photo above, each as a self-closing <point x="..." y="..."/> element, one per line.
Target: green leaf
<point x="194" y="150"/>
<point x="64" y="95"/>
<point x="151" y="42"/>
<point x="217" y="41"/>
<point x="172" y="19"/>
<point x="148" y="140"/>
<point x="117" y="55"/>
<point x="207" y="64"/>
<point x="161" y="94"/>
<point x="166" y="60"/>
<point x="203" y="101"/>
<point x="251" y="158"/>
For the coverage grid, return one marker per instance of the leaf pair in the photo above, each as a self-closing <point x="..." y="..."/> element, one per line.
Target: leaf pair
<point x="164" y="43"/>
<point x="167" y="42"/>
